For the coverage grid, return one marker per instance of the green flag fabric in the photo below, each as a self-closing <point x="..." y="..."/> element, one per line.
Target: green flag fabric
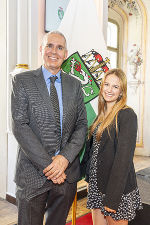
<point x="87" y="51"/>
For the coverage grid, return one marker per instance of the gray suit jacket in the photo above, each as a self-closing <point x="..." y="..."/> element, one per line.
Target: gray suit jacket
<point x="33" y="125"/>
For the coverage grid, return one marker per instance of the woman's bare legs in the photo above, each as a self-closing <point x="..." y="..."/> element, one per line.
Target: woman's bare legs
<point x="110" y="221"/>
<point x="98" y="218"/>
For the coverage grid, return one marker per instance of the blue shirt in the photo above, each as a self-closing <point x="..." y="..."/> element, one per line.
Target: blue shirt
<point x="58" y="87"/>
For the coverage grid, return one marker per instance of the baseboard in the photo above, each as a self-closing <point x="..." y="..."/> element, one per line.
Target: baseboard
<point x="11" y="199"/>
<point x="81" y="193"/>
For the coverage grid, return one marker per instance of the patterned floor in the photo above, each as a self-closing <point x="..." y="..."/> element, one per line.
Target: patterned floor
<point x="8" y="213"/>
<point x="81" y="209"/>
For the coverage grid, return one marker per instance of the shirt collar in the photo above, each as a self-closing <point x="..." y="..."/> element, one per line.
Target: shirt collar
<point x="48" y="74"/>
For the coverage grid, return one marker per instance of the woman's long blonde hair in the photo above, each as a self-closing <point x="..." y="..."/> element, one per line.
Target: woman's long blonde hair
<point x="107" y="122"/>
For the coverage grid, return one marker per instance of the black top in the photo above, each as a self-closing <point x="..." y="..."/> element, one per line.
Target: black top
<point x="115" y="169"/>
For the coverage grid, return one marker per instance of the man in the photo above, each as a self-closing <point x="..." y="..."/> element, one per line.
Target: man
<point x="48" y="166"/>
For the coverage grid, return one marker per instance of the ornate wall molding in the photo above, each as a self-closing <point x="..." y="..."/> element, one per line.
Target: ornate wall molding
<point x="136" y="86"/>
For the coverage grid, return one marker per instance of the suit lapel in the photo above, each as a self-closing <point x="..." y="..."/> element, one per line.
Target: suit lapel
<point x="41" y="85"/>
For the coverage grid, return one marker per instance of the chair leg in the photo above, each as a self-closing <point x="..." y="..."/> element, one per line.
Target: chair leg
<point x="74" y="208"/>
<point x="44" y="221"/>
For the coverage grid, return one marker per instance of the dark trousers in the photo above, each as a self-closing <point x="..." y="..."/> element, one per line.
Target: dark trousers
<point x="55" y="204"/>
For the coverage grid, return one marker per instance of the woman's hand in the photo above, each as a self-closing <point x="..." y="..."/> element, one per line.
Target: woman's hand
<point x="109" y="210"/>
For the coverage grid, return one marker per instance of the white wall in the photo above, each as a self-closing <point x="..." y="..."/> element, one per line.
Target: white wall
<point x="22" y="49"/>
<point x="3" y="100"/>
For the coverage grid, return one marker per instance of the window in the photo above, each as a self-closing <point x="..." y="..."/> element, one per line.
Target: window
<point x="112" y="43"/>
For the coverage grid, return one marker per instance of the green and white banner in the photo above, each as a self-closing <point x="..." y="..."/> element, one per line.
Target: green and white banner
<point x="88" y="69"/>
<point x="76" y="67"/>
<point x="87" y="50"/>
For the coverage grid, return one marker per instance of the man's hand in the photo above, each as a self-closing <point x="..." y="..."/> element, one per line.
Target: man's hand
<point x="56" y="168"/>
<point x="59" y="180"/>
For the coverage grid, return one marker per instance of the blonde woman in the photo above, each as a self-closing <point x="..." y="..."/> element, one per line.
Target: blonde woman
<point x="113" y="194"/>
